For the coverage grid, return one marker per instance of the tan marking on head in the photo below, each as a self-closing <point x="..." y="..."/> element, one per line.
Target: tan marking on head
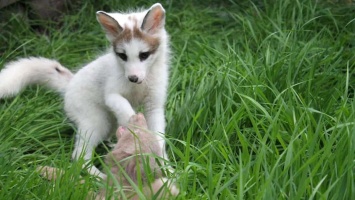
<point x="124" y="36"/>
<point x="133" y="19"/>
<point x="152" y="41"/>
<point x="128" y="34"/>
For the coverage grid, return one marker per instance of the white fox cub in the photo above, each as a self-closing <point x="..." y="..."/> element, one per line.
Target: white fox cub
<point x="104" y="93"/>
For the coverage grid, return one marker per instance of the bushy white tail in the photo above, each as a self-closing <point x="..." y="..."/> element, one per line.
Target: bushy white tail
<point x="18" y="74"/>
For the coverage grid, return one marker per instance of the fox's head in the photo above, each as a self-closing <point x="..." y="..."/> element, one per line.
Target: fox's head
<point x="135" y="39"/>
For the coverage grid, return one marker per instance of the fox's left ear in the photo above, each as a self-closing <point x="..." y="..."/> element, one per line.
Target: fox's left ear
<point x="154" y="20"/>
<point x="109" y="24"/>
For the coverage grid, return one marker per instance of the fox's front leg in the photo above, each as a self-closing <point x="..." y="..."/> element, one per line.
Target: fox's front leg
<point x="155" y="119"/>
<point x="154" y="113"/>
<point x="121" y="108"/>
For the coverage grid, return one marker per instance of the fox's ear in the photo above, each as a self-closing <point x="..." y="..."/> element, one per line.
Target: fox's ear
<point x="120" y="131"/>
<point x="154" y="20"/>
<point x="109" y="24"/>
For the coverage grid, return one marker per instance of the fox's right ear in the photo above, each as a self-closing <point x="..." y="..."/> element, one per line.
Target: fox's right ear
<point x="109" y="24"/>
<point x="154" y="20"/>
<point x="120" y="131"/>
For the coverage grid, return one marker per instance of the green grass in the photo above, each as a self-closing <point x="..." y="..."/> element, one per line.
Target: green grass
<point x="260" y="106"/>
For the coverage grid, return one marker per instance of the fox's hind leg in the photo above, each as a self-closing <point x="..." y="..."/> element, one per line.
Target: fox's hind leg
<point x="94" y="126"/>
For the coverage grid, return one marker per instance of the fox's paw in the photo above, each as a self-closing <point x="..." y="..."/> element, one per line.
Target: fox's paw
<point x="138" y="120"/>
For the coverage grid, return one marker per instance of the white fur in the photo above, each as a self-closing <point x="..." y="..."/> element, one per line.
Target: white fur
<point x="26" y="71"/>
<point x="100" y="96"/>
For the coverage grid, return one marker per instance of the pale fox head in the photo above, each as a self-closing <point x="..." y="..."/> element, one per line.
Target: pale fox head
<point x="136" y="39"/>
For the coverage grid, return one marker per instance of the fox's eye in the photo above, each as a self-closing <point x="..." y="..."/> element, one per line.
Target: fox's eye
<point x="123" y="56"/>
<point x="144" y="55"/>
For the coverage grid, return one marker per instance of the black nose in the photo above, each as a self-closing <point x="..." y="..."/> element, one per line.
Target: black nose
<point x="133" y="78"/>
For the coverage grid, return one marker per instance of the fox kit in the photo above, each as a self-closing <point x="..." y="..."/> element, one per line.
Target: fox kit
<point x="105" y="93"/>
<point x="136" y="150"/>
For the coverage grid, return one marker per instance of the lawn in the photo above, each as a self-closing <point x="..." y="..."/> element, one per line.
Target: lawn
<point x="260" y="103"/>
